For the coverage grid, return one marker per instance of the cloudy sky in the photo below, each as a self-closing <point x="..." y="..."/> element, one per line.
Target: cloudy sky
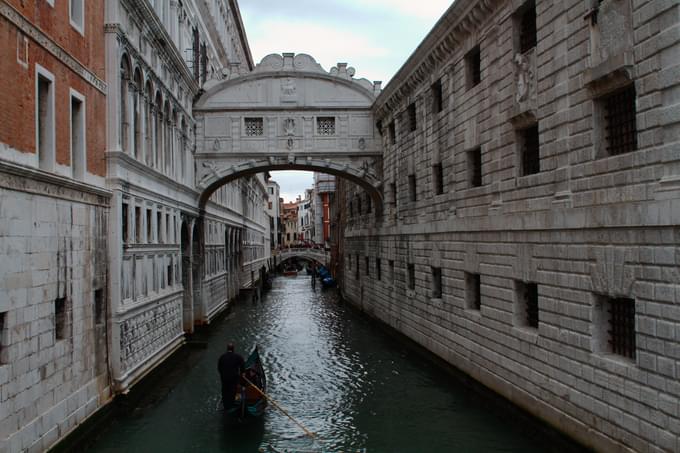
<point x="375" y="37"/>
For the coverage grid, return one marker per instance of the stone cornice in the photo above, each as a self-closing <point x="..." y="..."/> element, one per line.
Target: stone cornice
<point x="164" y="42"/>
<point x="461" y="19"/>
<point x="47" y="43"/>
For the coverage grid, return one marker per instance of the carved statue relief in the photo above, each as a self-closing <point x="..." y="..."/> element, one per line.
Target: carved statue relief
<point x="524" y="76"/>
<point x="288" y="90"/>
<point x="289" y="126"/>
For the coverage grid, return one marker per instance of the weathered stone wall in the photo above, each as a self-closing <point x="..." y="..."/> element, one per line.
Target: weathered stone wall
<point x="53" y="373"/>
<point x="586" y="227"/>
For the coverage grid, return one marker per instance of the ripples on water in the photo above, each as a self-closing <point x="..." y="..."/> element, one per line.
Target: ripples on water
<point x="354" y="386"/>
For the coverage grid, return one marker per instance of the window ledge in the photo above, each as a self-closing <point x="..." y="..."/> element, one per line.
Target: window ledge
<point x="613" y="73"/>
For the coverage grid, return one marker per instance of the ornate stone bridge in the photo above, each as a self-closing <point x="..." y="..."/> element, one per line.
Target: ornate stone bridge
<point x="288" y="114"/>
<point x="318" y="255"/>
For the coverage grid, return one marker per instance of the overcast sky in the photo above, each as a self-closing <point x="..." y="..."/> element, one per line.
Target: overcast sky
<point x="375" y="37"/>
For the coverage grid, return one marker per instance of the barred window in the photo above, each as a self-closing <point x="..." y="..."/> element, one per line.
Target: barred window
<point x="412" y="187"/>
<point x="437" y="99"/>
<point x="436" y="282"/>
<point x="620" y="122"/>
<point x="411" y="276"/>
<point x="527" y="26"/>
<point x="473" y="63"/>
<point x="530" y="156"/>
<point x="473" y="291"/>
<point x="526" y="313"/>
<point x="412" y="117"/>
<point x="61" y="321"/>
<point x="438" y="178"/>
<point x="325" y="125"/>
<point x="254" y="127"/>
<point x="393" y="133"/>
<point x="475" y="167"/>
<point x="615" y="325"/>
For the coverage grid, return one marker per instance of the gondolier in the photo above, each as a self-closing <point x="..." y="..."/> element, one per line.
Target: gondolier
<point x="230" y="367"/>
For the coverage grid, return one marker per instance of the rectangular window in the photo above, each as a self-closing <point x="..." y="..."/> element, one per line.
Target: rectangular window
<point x="393" y="188"/>
<point x="438" y="179"/>
<point x="169" y="271"/>
<point x="60" y="318"/>
<point x="378" y="270"/>
<point x="474" y="169"/>
<point x="4" y="337"/>
<point x="473" y="291"/>
<point x="45" y="143"/>
<point x="620" y="122"/>
<point x="359" y="204"/>
<point x="369" y="205"/>
<point x="436" y="282"/>
<point x="149" y="226"/>
<point x="530" y="159"/>
<point x="412" y="187"/>
<point x="124" y="222"/>
<point x="527" y="26"/>
<point x="325" y="125"/>
<point x="437" y="99"/>
<point x="393" y="133"/>
<point x="368" y="266"/>
<point x="77" y="14"/>
<point x="615" y="326"/>
<point x="78" y="154"/>
<point x="526" y="313"/>
<point x="99" y="307"/>
<point x="390" y="264"/>
<point x="356" y="268"/>
<point x="138" y="224"/>
<point x="473" y="65"/>
<point x="254" y="128"/>
<point x="168" y="238"/>
<point x="411" y="270"/>
<point x="159" y="224"/>
<point x="412" y="117"/>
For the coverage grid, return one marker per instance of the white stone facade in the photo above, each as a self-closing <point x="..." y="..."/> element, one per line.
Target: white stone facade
<point x="467" y="228"/>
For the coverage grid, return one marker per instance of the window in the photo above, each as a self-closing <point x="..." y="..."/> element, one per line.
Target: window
<point x="138" y="224"/>
<point x="359" y="204"/>
<point x="159" y="223"/>
<point x="377" y="269"/>
<point x="526" y="312"/>
<point x="473" y="291"/>
<point x="196" y="49"/>
<point x="4" y="337"/>
<point x="124" y="222"/>
<point x="77" y="14"/>
<point x="60" y="318"/>
<point x="437" y="99"/>
<point x="411" y="270"/>
<point x="369" y="205"/>
<point x="393" y="133"/>
<point x="393" y="188"/>
<point x="356" y="268"/>
<point x="530" y="159"/>
<point x="473" y="64"/>
<point x="620" y="123"/>
<point x="78" y="154"/>
<point x="390" y="264"/>
<point x="474" y="169"/>
<point x="255" y="128"/>
<point x="615" y="326"/>
<point x="438" y="179"/>
<point x="169" y="270"/>
<point x="527" y="26"/>
<point x="368" y="266"/>
<point x="149" y="229"/>
<point x="411" y="116"/>
<point x="168" y="238"/>
<point x="99" y="307"/>
<point x="45" y="144"/>
<point x="325" y="125"/>
<point x="412" y="187"/>
<point x="436" y="282"/>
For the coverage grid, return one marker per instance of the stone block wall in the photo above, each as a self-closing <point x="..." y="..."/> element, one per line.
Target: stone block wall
<point x="589" y="229"/>
<point x="53" y="362"/>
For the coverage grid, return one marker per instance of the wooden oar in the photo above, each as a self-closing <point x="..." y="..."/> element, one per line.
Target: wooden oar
<point x="271" y="400"/>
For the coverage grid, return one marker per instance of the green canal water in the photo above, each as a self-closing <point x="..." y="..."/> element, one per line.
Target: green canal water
<point x="351" y="383"/>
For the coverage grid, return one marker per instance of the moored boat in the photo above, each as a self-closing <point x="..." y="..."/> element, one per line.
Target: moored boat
<point x="250" y="402"/>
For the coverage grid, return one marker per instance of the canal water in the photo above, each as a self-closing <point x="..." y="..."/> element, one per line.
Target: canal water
<point x="351" y="383"/>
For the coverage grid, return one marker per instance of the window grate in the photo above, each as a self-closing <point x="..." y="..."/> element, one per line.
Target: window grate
<point x="393" y="133"/>
<point x="325" y="125"/>
<point x="622" y="327"/>
<point x="475" y="167"/>
<point x="532" y="304"/>
<point x="254" y="127"/>
<point x="474" y="63"/>
<point x="438" y="178"/>
<point x="437" y="99"/>
<point x="412" y="120"/>
<point x="412" y="187"/>
<point x="436" y="282"/>
<point x="411" y="276"/>
<point x="60" y="318"/>
<point x="621" y="127"/>
<point x="473" y="285"/>
<point x="527" y="34"/>
<point x="531" y="160"/>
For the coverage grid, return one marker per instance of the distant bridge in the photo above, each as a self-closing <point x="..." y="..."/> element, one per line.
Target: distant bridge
<point x="318" y="255"/>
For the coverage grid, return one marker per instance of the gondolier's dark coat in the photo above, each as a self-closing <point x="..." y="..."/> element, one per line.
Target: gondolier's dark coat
<point x="230" y="367"/>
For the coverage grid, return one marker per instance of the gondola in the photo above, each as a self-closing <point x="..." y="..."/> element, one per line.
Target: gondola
<point x="250" y="403"/>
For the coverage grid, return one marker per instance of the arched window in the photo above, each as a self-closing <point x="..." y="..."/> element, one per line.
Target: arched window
<point x="137" y="114"/>
<point x="148" y="124"/>
<point x="183" y="151"/>
<point x="124" y="123"/>
<point x="158" y="130"/>
<point x="167" y="138"/>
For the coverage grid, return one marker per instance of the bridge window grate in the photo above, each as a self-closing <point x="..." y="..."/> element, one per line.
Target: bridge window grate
<point x="254" y="127"/>
<point x="621" y="330"/>
<point x="619" y="116"/>
<point x="325" y="125"/>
